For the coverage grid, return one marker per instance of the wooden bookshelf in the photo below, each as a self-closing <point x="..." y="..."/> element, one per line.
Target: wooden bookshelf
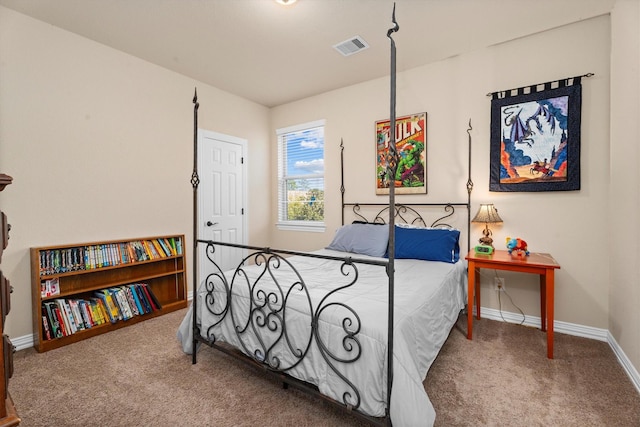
<point x="82" y="269"/>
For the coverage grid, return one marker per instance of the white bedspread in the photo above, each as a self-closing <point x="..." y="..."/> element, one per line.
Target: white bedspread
<point x="428" y="298"/>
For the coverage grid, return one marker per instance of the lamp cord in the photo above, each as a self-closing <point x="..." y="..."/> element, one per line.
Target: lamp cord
<point x="512" y="303"/>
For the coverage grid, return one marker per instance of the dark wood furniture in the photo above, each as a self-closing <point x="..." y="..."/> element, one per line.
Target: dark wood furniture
<point x="8" y="414"/>
<point x="166" y="276"/>
<point x="535" y="263"/>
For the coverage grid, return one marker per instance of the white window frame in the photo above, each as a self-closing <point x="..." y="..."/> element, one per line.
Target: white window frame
<point x="313" y="226"/>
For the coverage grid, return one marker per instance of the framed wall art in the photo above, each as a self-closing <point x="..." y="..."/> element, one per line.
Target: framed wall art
<point x="535" y="138"/>
<point x="411" y="145"/>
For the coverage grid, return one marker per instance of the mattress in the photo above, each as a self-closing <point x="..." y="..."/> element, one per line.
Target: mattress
<point x="348" y="351"/>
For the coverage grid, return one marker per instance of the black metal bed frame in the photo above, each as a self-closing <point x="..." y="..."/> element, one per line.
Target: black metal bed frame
<point x="266" y="323"/>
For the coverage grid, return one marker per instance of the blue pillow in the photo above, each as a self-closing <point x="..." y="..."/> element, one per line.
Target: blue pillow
<point x="364" y="239"/>
<point x="430" y="244"/>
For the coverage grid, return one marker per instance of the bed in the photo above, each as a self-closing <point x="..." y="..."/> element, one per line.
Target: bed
<point x="322" y="317"/>
<point x="389" y="286"/>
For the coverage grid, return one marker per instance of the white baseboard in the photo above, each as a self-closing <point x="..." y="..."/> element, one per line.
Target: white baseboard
<point x="558" y="326"/>
<point x="631" y="371"/>
<point x="27" y="341"/>
<point x="22" y="343"/>
<point x="570" y="329"/>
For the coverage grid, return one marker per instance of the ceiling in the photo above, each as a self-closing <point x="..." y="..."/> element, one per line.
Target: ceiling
<point x="274" y="54"/>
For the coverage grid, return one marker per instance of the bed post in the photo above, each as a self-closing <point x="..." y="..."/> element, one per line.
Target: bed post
<point x="469" y="189"/>
<point x="342" y="176"/>
<point x="195" y="180"/>
<point x="391" y="173"/>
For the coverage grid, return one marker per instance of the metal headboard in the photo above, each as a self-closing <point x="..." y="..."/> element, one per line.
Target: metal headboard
<point x="407" y="212"/>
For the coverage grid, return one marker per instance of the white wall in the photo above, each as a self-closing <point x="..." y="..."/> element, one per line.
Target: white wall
<point x="624" y="203"/>
<point x="563" y="224"/>
<point x="100" y="145"/>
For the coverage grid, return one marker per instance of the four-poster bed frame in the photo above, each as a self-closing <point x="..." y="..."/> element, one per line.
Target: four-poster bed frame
<point x="264" y="329"/>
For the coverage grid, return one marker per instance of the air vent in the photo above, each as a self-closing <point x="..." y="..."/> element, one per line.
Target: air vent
<point x="351" y="46"/>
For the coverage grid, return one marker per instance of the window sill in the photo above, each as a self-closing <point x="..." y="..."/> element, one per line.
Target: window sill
<point x="301" y="226"/>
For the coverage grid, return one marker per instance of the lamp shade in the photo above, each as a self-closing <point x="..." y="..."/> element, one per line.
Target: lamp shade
<point x="488" y="214"/>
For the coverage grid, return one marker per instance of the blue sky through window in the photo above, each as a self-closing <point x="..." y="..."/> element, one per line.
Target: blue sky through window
<point x="305" y="152"/>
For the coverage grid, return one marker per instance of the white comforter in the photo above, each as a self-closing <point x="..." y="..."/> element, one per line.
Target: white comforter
<point x="428" y="298"/>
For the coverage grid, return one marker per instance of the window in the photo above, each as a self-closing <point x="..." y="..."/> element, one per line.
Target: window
<point x="301" y="177"/>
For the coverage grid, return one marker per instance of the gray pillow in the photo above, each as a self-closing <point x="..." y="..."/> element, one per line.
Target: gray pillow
<point x="363" y="239"/>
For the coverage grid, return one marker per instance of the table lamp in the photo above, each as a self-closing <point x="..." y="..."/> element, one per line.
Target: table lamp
<point x="487" y="214"/>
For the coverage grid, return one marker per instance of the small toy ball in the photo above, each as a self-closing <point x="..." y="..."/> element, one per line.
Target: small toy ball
<point x="518" y="245"/>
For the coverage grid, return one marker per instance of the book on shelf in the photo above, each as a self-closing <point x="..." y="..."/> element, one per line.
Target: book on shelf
<point x="85" y="316"/>
<point x="154" y="249"/>
<point x="110" y="307"/>
<point x="58" y="314"/>
<point x="146" y="307"/>
<point x="46" y="329"/>
<point x="67" y="316"/>
<point x="124" y="256"/>
<point x="123" y="304"/>
<point x="165" y="247"/>
<point x="55" y="319"/>
<point x="99" y="309"/>
<point x="77" y="316"/>
<point x="56" y="331"/>
<point x="50" y="287"/>
<point x="155" y="304"/>
<point x="63" y="318"/>
<point x="104" y="253"/>
<point x="141" y="251"/>
<point x="147" y="249"/>
<point x="138" y="299"/>
<point x="158" y="249"/>
<point x="131" y="300"/>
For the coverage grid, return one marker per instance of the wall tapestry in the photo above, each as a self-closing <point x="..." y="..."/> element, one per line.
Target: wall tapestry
<point x="535" y="137"/>
<point x="411" y="145"/>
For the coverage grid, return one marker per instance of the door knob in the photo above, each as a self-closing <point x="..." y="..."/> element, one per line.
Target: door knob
<point x="211" y="224"/>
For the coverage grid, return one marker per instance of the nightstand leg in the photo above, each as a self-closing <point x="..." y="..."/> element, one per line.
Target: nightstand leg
<point x="550" y="303"/>
<point x="471" y="279"/>
<point x="477" y="293"/>
<point x="543" y="302"/>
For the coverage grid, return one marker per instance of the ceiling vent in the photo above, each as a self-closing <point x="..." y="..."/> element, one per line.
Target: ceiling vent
<point x="353" y="45"/>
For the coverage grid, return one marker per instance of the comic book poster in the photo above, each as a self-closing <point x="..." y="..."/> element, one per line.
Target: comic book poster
<point x="411" y="146"/>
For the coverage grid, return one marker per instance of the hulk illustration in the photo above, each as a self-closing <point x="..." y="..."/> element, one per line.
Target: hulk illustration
<point x="409" y="166"/>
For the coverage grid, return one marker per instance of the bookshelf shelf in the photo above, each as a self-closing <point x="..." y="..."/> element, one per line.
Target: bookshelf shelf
<point x="78" y="273"/>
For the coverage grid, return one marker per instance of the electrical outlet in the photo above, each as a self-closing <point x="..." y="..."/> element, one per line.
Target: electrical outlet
<point x="499" y="283"/>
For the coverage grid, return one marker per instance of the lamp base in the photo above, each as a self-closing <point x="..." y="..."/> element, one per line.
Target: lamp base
<point x="486" y="240"/>
<point x="486" y="236"/>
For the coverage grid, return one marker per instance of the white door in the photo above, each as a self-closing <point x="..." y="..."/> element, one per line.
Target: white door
<point x="221" y="197"/>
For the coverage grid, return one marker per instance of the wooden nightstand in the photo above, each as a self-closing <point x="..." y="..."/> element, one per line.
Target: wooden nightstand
<point x="536" y="263"/>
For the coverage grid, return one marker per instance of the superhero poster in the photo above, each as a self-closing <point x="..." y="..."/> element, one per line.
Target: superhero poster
<point x="535" y="141"/>
<point x="411" y="146"/>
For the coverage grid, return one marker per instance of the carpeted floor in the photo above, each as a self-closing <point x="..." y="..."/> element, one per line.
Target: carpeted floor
<point x="139" y="376"/>
<point x="503" y="378"/>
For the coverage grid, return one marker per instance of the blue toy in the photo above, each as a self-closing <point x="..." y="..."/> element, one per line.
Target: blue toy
<point x="518" y="245"/>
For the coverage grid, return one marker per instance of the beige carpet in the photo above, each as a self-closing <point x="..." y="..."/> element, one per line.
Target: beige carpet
<point x="138" y="376"/>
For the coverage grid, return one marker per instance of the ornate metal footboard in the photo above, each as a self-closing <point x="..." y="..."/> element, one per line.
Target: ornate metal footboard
<point x="266" y="308"/>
